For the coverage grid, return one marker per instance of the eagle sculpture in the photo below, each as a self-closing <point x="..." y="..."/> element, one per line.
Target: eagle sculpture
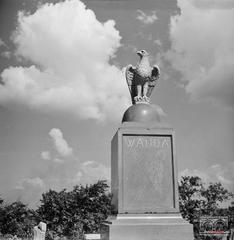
<point x="142" y="78"/>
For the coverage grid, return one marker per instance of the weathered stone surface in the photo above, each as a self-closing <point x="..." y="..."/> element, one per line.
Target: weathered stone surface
<point x="167" y="227"/>
<point x="147" y="173"/>
<point x="143" y="170"/>
<point x="92" y="236"/>
<point x="144" y="185"/>
<point x="39" y="231"/>
<point x="142" y="113"/>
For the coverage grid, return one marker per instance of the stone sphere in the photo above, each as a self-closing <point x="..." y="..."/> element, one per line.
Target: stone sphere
<point x="142" y="112"/>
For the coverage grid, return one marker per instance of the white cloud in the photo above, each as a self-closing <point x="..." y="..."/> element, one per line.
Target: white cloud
<point x="60" y="144"/>
<point x="59" y="172"/>
<point x="58" y="160"/>
<point x="195" y="172"/>
<point x="215" y="173"/>
<point x="146" y="19"/>
<point x="213" y="4"/>
<point x="77" y="177"/>
<point x="6" y="54"/>
<point x="45" y="155"/>
<point x="29" y="190"/>
<point x="93" y="171"/>
<point x="224" y="174"/>
<point x="158" y="42"/>
<point x="2" y="43"/>
<point x="203" y="51"/>
<point x="70" y="51"/>
<point x="26" y="183"/>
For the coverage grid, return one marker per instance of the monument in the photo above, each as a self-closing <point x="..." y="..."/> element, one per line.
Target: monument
<point x="39" y="231"/>
<point x="143" y="168"/>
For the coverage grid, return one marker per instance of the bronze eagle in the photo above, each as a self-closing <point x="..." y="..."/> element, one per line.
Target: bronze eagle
<point x="142" y="78"/>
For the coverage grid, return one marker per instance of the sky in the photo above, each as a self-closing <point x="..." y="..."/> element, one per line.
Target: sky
<point x="63" y="92"/>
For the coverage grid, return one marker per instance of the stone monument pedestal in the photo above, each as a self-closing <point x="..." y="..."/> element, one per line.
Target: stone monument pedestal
<point x="147" y="227"/>
<point x="144" y="181"/>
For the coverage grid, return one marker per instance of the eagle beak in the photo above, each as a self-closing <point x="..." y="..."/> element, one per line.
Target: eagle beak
<point x="139" y="53"/>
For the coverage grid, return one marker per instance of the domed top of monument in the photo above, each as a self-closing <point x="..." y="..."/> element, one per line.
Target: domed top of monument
<point x="141" y="80"/>
<point x="144" y="113"/>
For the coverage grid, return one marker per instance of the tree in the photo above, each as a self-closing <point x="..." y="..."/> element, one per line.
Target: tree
<point x="214" y="194"/>
<point x="189" y="202"/>
<point x="16" y="219"/>
<point x="195" y="199"/>
<point x="93" y="203"/>
<point x="74" y="212"/>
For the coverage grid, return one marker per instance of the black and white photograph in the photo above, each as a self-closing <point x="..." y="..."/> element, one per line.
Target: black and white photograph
<point x="116" y="119"/>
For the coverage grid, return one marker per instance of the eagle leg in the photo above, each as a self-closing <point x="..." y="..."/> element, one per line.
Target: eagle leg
<point x="138" y="97"/>
<point x="145" y="90"/>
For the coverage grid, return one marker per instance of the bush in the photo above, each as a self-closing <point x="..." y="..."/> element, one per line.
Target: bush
<point x="74" y="212"/>
<point x="16" y="219"/>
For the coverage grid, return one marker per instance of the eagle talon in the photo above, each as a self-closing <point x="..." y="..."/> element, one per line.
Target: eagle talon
<point x="145" y="98"/>
<point x="138" y="98"/>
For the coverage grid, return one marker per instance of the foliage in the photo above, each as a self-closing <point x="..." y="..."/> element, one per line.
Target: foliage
<point x="196" y="199"/>
<point x="214" y="194"/>
<point x="74" y="235"/>
<point x="190" y="204"/>
<point x="68" y="213"/>
<point x="16" y="219"/>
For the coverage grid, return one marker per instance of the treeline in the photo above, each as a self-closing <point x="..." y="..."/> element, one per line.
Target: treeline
<point x="67" y="214"/>
<point x="70" y="214"/>
<point x="197" y="199"/>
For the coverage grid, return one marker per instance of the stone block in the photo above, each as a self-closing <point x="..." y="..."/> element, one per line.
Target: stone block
<point x="143" y="170"/>
<point x="144" y="185"/>
<point x="39" y="231"/>
<point x="167" y="227"/>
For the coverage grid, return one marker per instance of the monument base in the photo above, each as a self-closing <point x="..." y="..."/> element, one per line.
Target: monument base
<point x="146" y="227"/>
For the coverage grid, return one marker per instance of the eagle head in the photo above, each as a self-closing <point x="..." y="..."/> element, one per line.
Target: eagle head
<point x="142" y="53"/>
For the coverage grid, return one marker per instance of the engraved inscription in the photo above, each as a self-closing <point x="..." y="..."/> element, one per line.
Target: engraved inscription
<point x="148" y="182"/>
<point x="137" y="142"/>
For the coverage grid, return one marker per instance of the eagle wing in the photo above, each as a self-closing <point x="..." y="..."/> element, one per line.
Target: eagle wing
<point x="129" y="74"/>
<point x="155" y="73"/>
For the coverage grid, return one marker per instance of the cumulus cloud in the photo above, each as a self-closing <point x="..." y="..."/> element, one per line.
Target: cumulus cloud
<point x="60" y="144"/>
<point x="89" y="172"/>
<point x="2" y="43"/>
<point x="77" y="177"/>
<point x="26" y="183"/>
<point x="202" y="49"/>
<point x="76" y="172"/>
<point x="146" y="19"/>
<point x="158" y="42"/>
<point x="29" y="190"/>
<point x="215" y="173"/>
<point x="61" y="170"/>
<point x="213" y="4"/>
<point x="58" y="160"/>
<point x="6" y="54"/>
<point x="70" y="72"/>
<point x="93" y="171"/>
<point x="45" y="155"/>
